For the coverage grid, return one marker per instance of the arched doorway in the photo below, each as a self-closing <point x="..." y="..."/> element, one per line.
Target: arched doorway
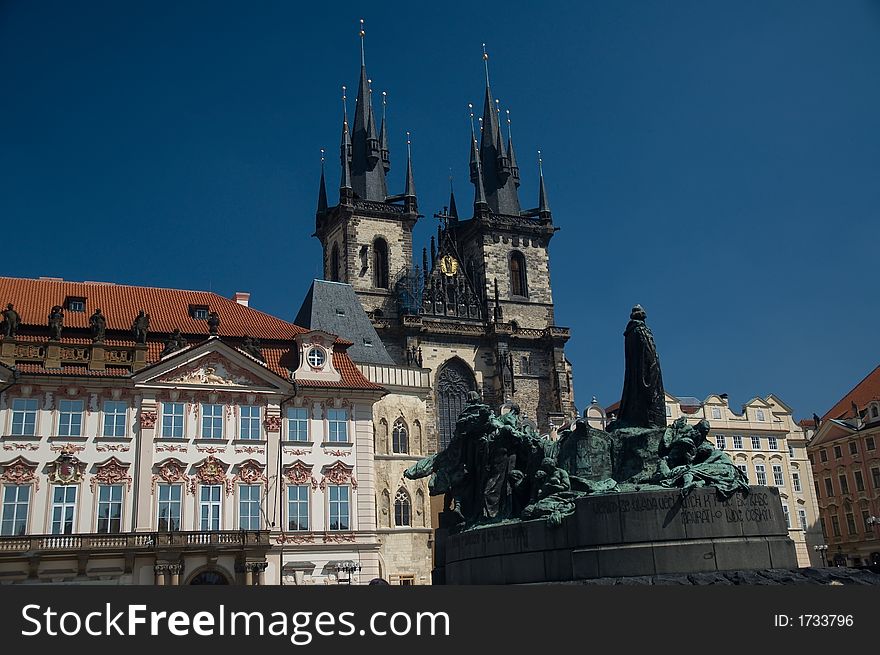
<point x="454" y="382"/>
<point x="209" y="576"/>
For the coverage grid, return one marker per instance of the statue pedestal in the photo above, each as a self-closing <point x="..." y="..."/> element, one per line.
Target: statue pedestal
<point x="629" y="534"/>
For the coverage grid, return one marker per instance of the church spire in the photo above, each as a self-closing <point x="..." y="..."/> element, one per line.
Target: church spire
<point x="383" y="136"/>
<point x="453" y="210"/>
<point x="345" y="153"/>
<point x="368" y="177"/>
<point x="543" y="204"/>
<point x="410" y="203"/>
<point x="511" y="156"/>
<point x="480" y="204"/>
<point x="322" y="189"/>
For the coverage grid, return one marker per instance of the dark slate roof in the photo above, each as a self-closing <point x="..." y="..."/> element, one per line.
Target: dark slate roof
<point x="333" y="307"/>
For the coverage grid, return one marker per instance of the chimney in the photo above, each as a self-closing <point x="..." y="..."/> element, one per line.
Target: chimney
<point x="242" y="298"/>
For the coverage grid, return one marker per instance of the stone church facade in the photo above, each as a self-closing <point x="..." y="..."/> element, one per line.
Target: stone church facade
<point x="473" y="309"/>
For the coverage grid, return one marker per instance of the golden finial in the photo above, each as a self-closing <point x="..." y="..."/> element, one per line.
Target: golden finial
<point x="408" y="146"/>
<point x="362" y="34"/>
<point x="540" y="165"/>
<point x="486" y="63"/>
<point x="322" y="156"/>
<point x="471" y="114"/>
<point x="481" y="123"/>
<point x="509" y="131"/>
<point x="344" y="106"/>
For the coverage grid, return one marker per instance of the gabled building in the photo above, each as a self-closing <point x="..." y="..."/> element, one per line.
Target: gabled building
<point x="178" y="437"/>
<point x="846" y="465"/>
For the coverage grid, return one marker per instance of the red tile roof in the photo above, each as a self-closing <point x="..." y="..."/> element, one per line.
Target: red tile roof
<point x="864" y="392"/>
<point x="169" y="309"/>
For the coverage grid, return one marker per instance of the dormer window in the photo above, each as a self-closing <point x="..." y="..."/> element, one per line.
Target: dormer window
<point x="199" y="312"/>
<point x="75" y="304"/>
<point x="316" y="357"/>
<point x="368" y="343"/>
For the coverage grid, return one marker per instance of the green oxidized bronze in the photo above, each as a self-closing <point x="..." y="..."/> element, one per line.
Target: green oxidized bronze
<point x="497" y="468"/>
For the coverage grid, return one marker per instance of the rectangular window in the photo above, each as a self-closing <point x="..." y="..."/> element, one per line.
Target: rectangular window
<point x="63" y="509"/>
<point x="756" y="443"/>
<point x="716" y="412"/>
<point x="75" y="304"/>
<point x="875" y="478"/>
<point x="172" y="420"/>
<point x="720" y="442"/>
<point x="823" y="455"/>
<point x="860" y="481"/>
<point x="339" y="507"/>
<point x="737" y="442"/>
<point x="835" y="526"/>
<point x="791" y="451"/>
<point x="16" y="499"/>
<point x="337" y="423"/>
<point x="169" y="507"/>
<point x="70" y="418"/>
<point x="816" y="484"/>
<point x="802" y="518"/>
<point x="796" y="481"/>
<point x="110" y="508"/>
<point x="772" y="443"/>
<point x="844" y="484"/>
<point x="853" y="447"/>
<point x="868" y="527"/>
<point x="851" y="523"/>
<point x="212" y="421"/>
<point x="668" y="410"/>
<point x="787" y="517"/>
<point x="209" y="506"/>
<point x="114" y="418"/>
<point x="829" y="490"/>
<point x="249" y="506"/>
<point x="838" y="452"/>
<point x="298" y="507"/>
<point x="249" y="422"/>
<point x="778" y="479"/>
<point x="822" y="525"/>
<point x="297" y="424"/>
<point x="761" y="474"/>
<point x="760" y="414"/>
<point x="744" y="469"/>
<point x="869" y="443"/>
<point x="24" y="417"/>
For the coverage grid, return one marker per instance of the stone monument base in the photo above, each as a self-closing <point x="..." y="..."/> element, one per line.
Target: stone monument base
<point x="645" y="533"/>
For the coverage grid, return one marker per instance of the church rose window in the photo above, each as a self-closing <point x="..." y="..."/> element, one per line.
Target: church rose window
<point x="453" y="384"/>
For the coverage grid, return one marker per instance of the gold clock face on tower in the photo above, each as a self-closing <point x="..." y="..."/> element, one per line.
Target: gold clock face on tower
<point x="448" y="265"/>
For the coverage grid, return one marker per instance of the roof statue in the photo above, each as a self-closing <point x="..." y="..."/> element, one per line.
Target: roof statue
<point x="98" y="326"/>
<point x="56" y="323"/>
<point x="10" y="323"/>
<point x="140" y="327"/>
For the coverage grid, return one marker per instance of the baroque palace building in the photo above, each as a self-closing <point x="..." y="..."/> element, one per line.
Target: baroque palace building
<point x="218" y="444"/>
<point x="846" y="466"/>
<point x="471" y="312"/>
<point x="768" y="445"/>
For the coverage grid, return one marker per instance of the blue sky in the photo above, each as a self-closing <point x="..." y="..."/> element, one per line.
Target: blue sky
<point x="717" y="162"/>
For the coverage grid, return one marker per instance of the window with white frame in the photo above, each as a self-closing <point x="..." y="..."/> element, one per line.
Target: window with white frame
<point x="716" y="412"/>
<point x="772" y="443"/>
<point x="315" y="357"/>
<point x="110" y="508"/>
<point x="212" y="421"/>
<point x="778" y="478"/>
<point x="802" y="518"/>
<point x="760" y="474"/>
<point x="399" y="438"/>
<point x="720" y="442"/>
<point x="249" y="506"/>
<point x="737" y="442"/>
<point x="402" y="509"/>
<point x="24" y="417"/>
<point x="16" y="502"/>
<point x="298" y="507"/>
<point x="115" y="412"/>
<point x="787" y="517"/>
<point x="337" y="425"/>
<point x="249" y="422"/>
<point x="796" y="481"/>
<point x="70" y="415"/>
<point x="297" y="424"/>
<point x="760" y="415"/>
<point x="744" y="468"/>
<point x="63" y="509"/>
<point x="668" y="409"/>
<point x="169" y="507"/>
<point x="209" y="506"/>
<point x="172" y="420"/>
<point x="340" y="507"/>
<point x="756" y="443"/>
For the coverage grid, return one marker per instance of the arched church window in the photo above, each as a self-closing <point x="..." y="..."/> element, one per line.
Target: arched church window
<point x="518" y="284"/>
<point x="454" y="382"/>
<point x="400" y="438"/>
<point x="334" y="263"/>
<point x="380" y="263"/>
<point x="402" y="508"/>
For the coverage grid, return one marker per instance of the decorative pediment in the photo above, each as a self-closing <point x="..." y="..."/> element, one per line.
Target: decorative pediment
<point x="20" y="471"/>
<point x="170" y="471"/>
<point x="338" y="473"/>
<point x="211" y="371"/>
<point x="111" y="472"/>
<point x="299" y="473"/>
<point x="210" y="471"/>
<point x="250" y="471"/>
<point x="67" y="469"/>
